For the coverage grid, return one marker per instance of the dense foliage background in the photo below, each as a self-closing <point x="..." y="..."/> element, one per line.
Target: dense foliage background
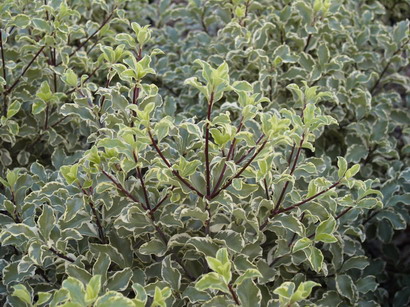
<point x="204" y="153"/>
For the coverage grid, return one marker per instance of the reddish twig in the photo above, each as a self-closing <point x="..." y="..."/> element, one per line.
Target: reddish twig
<point x="169" y="165"/>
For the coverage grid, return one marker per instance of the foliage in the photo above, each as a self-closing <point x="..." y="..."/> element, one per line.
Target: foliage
<point x="203" y="153"/>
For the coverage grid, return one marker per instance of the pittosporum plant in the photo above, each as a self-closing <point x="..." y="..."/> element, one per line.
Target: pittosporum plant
<point x="200" y="161"/>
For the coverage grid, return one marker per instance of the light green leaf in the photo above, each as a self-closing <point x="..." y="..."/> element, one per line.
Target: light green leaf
<point x="249" y="274"/>
<point x="212" y="281"/>
<point x="75" y="290"/>
<point x="93" y="289"/>
<point x="22" y="293"/>
<point x="13" y="109"/>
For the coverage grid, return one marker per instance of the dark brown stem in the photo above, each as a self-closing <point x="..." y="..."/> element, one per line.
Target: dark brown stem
<point x="3" y="61"/>
<point x="294" y="235"/>
<point x="169" y="165"/>
<point x="85" y="81"/>
<point x="266" y="189"/>
<point x="59" y="121"/>
<point x="276" y="212"/>
<point x="24" y="71"/>
<point x="46" y="119"/>
<point x="387" y="67"/>
<point x="141" y="178"/>
<point x="100" y="228"/>
<point x="228" y="157"/>
<point x="291" y="154"/>
<point x="371" y="216"/>
<point x="160" y="202"/>
<point x="122" y="189"/>
<point x="98" y="222"/>
<point x="307" y="42"/>
<point x="250" y="150"/>
<point x="282" y="194"/>
<point x="61" y="255"/>
<point x="203" y="19"/>
<point x="234" y="296"/>
<point x="105" y="21"/>
<point x="229" y="182"/>
<point x="343" y="212"/>
<point x="189" y="275"/>
<point x="306" y="200"/>
<point x="135" y="94"/>
<point x="207" y="163"/>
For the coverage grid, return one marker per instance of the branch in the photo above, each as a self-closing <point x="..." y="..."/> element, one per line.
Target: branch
<point x="207" y="166"/>
<point x="105" y="21"/>
<point x="122" y="189"/>
<point x="160" y="202"/>
<point x="61" y="255"/>
<point x="306" y="200"/>
<point x="229" y="182"/>
<point x="250" y="150"/>
<point x="24" y="71"/>
<point x="2" y="57"/>
<point x="97" y="217"/>
<point x="387" y="67"/>
<point x="266" y="189"/>
<point x="169" y="165"/>
<point x="234" y="296"/>
<point x="282" y="194"/>
<point x="85" y="81"/>
<point x="141" y="178"/>
<point x="228" y="157"/>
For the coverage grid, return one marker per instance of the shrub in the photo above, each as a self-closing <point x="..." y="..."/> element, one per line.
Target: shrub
<point x="195" y="162"/>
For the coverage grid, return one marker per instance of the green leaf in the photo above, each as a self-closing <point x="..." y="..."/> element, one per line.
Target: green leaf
<point x="41" y="24"/>
<point x="46" y="222"/>
<point x="242" y="86"/>
<point x="315" y="257"/>
<point x="38" y="107"/>
<point x="170" y="274"/>
<point x="352" y="171"/>
<point x="43" y="297"/>
<point x="356" y="152"/>
<point x="401" y="31"/>
<point x="155" y="247"/>
<point x="345" y="287"/>
<point x="301" y="244"/>
<point x="367" y="284"/>
<point x="325" y="238"/>
<point x="120" y="280"/>
<point x="285" y="292"/>
<point x="305" y="12"/>
<point x="112" y="298"/>
<point x="21" y="21"/>
<point x="291" y="223"/>
<point x="22" y="293"/>
<point x="75" y="289"/>
<point x="249" y="294"/>
<point x="140" y="293"/>
<point x="44" y="92"/>
<point x="13" y="109"/>
<point x="355" y="262"/>
<point x="342" y="165"/>
<point x="70" y="78"/>
<point x="328" y="226"/>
